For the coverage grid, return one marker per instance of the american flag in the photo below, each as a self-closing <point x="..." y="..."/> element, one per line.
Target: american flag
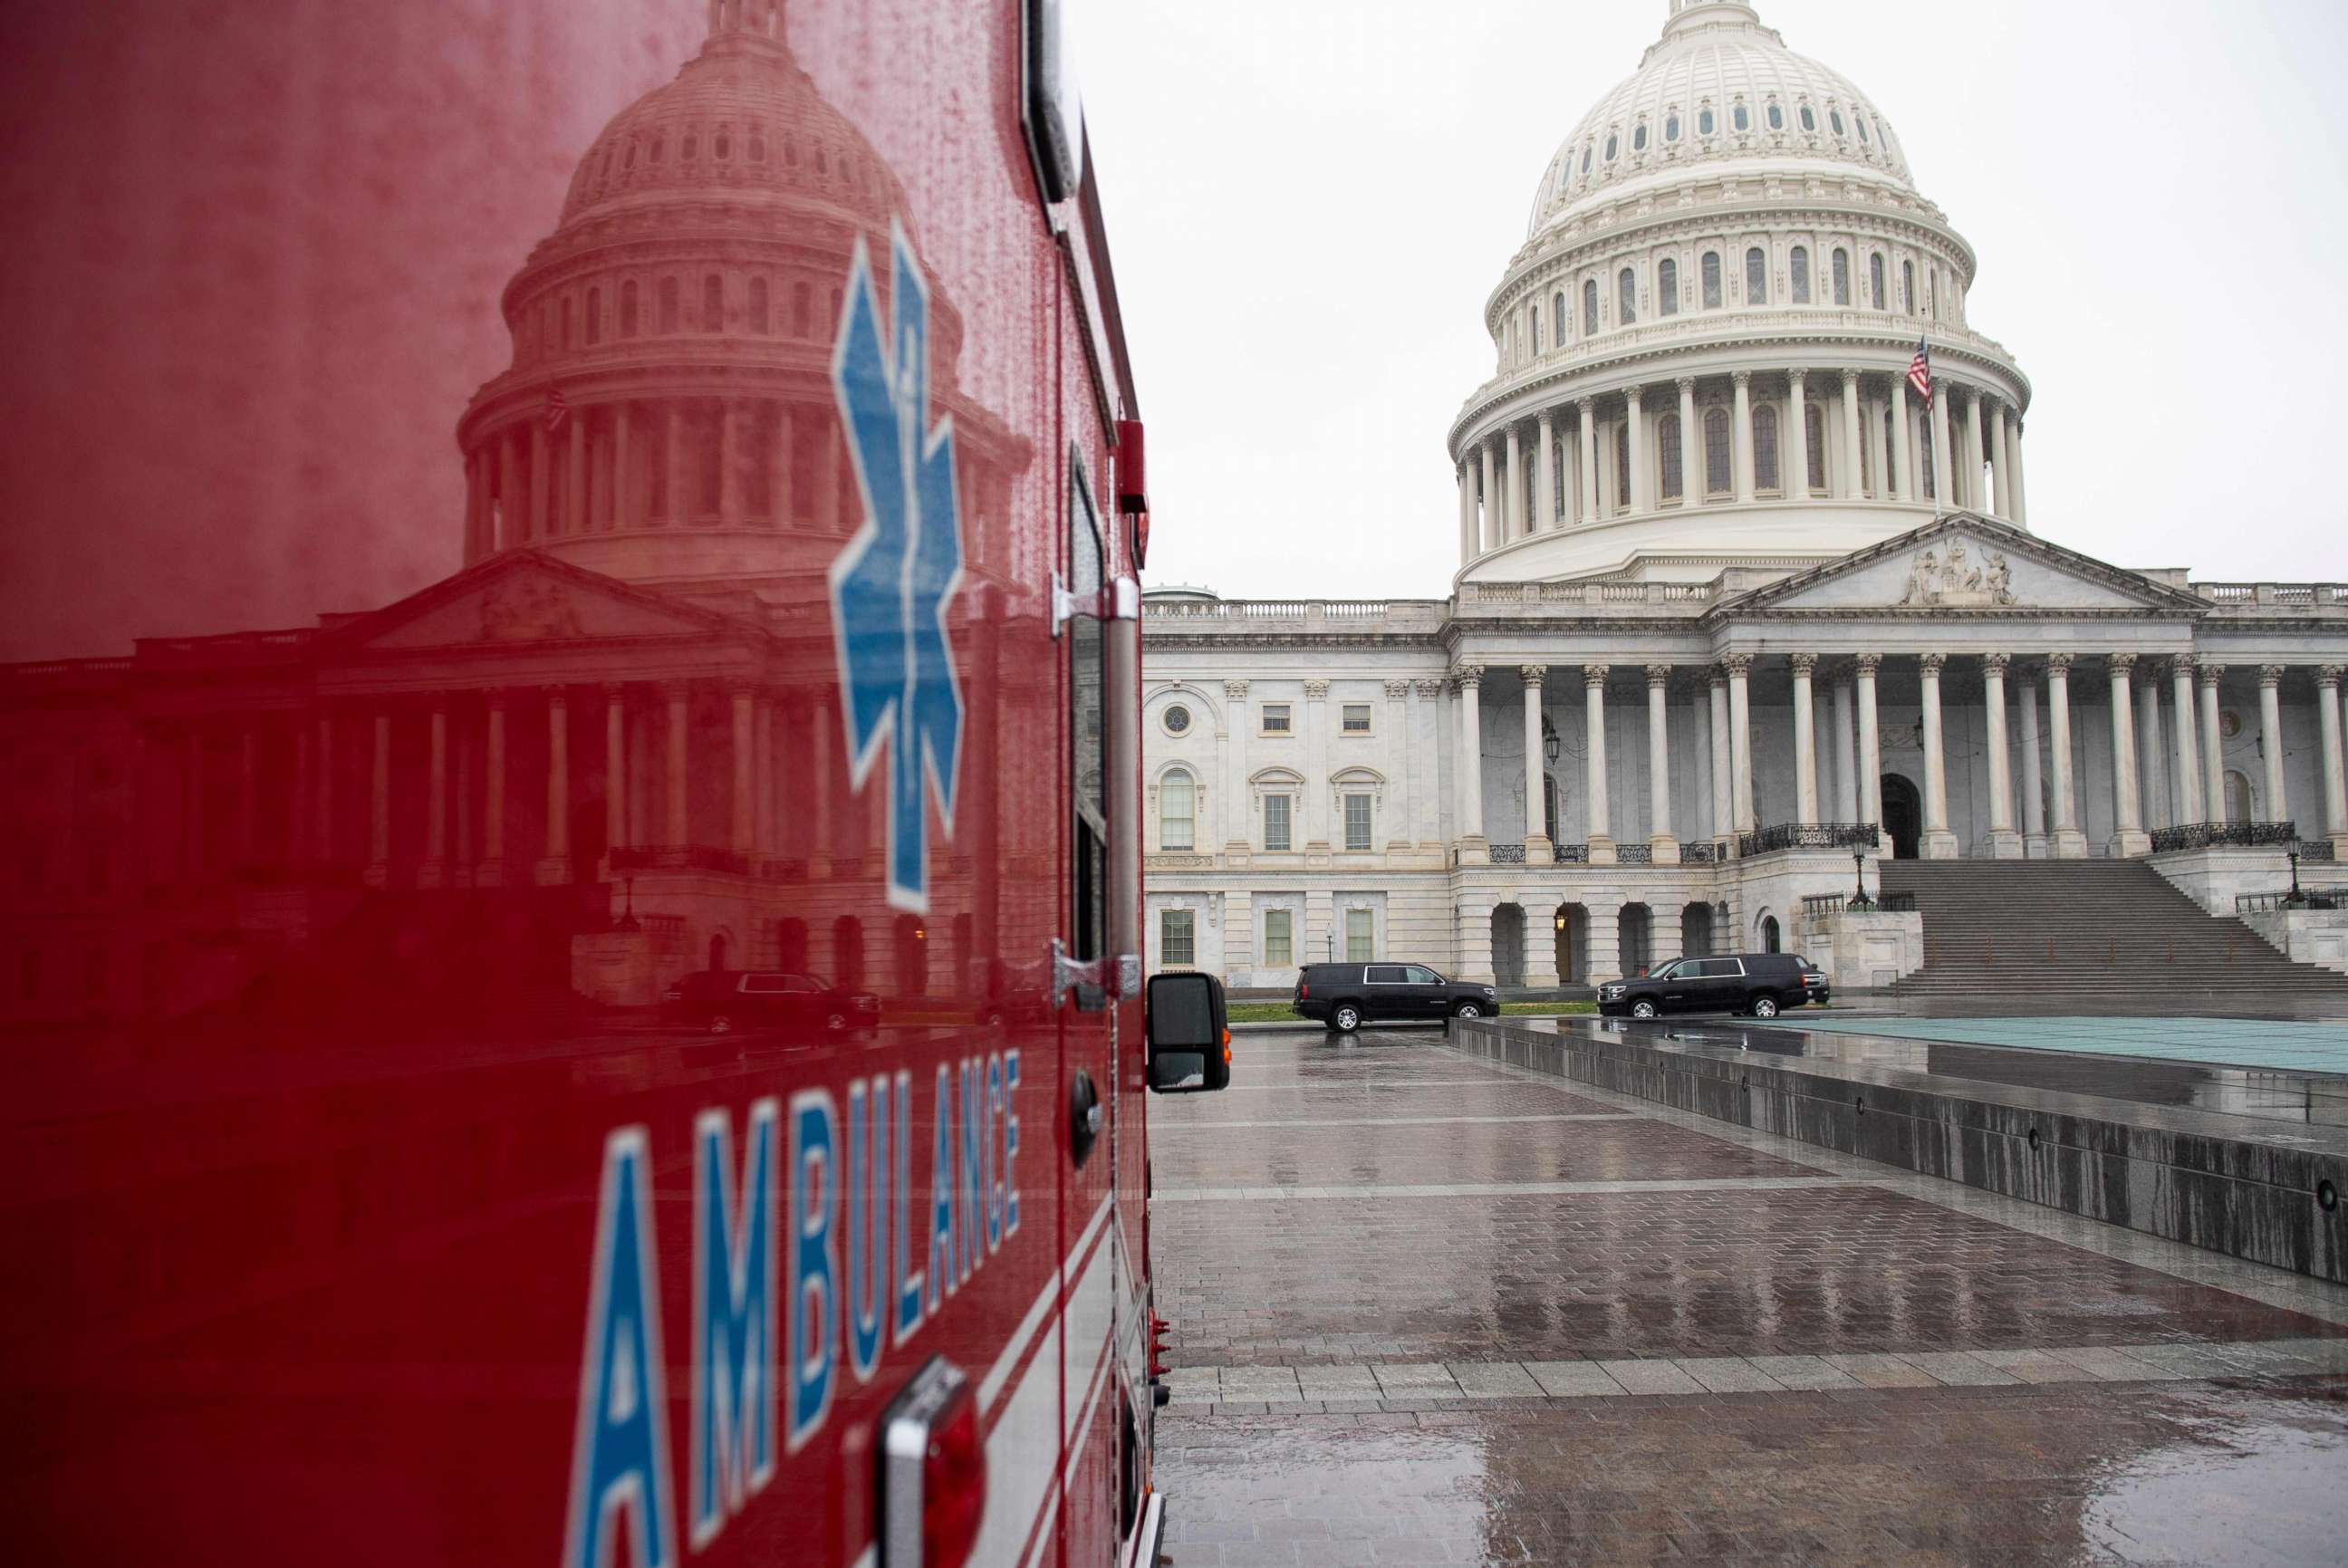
<point x="1920" y="371"/>
<point x="557" y="411"/>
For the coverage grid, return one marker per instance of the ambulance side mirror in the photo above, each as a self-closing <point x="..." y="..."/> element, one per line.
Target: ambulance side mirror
<point x="1189" y="1039"/>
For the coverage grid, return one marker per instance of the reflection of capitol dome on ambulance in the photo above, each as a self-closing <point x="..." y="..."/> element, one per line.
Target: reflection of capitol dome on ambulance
<point x="669" y="417"/>
<point x="1703" y="345"/>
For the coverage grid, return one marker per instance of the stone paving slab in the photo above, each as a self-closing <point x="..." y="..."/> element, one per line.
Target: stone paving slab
<point x="1474" y="1152"/>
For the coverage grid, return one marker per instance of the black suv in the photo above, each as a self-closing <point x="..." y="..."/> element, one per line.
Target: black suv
<point x="1346" y="996"/>
<point x="1761" y="983"/>
<point x="723" y="1000"/>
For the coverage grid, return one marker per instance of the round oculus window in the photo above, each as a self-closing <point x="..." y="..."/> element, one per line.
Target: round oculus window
<point x="1178" y="720"/>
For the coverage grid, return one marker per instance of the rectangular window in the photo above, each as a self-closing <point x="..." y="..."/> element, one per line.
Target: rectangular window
<point x="1279" y="939"/>
<point x="1361" y="936"/>
<point x="1275" y="718"/>
<point x="1357" y="718"/>
<point x="1275" y="822"/>
<point x="1712" y="279"/>
<point x="1177" y="939"/>
<point x="1176" y="813"/>
<point x="1357" y="821"/>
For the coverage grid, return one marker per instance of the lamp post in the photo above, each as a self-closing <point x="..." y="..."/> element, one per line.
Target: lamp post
<point x="1861" y="900"/>
<point x="2295" y="895"/>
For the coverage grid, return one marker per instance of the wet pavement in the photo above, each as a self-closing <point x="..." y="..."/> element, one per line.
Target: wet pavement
<point x="1430" y="1310"/>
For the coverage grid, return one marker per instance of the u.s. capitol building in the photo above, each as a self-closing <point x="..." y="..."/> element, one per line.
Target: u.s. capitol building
<point x="1734" y="604"/>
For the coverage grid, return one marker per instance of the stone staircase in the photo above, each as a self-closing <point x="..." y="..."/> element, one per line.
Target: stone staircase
<point x="2008" y="936"/>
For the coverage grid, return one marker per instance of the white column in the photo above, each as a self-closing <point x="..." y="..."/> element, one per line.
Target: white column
<point x="2271" y="739"/>
<point x="680" y="815"/>
<point x="746" y="741"/>
<point x="2184" y="775"/>
<point x="1637" y="483"/>
<point x="1847" y="809"/>
<point x="1239" y="722"/>
<point x="2069" y="842"/>
<point x="1601" y="817"/>
<point x="2213" y="745"/>
<point x="378" y="867"/>
<point x="434" y="871"/>
<point x="616" y="767"/>
<point x="2128" y="836"/>
<point x="2335" y="768"/>
<point x="2034" y="845"/>
<point x="1740" y="738"/>
<point x="2004" y="843"/>
<point x="1537" y="840"/>
<point x="491" y="871"/>
<point x="2001" y="465"/>
<point x="1659" y="768"/>
<point x="1943" y="460"/>
<point x="1425" y="781"/>
<point x="1401" y="794"/>
<point x="1850" y="437"/>
<point x="2017" y="484"/>
<point x="1589" y="407"/>
<point x="1798" y="435"/>
<point x="1495" y="527"/>
<point x="1974" y="453"/>
<point x="1470" y="546"/>
<point x="1903" y="458"/>
<point x="1741" y="468"/>
<point x="1871" y="743"/>
<point x="1317" y="801"/>
<point x="555" y="867"/>
<point x="1938" y="842"/>
<point x="1512" y="515"/>
<point x="1691" y="447"/>
<point x="1806" y="744"/>
<point x="1545" y="472"/>
<point x="1470" y="774"/>
<point x="2152" y="762"/>
<point x="1724" y="785"/>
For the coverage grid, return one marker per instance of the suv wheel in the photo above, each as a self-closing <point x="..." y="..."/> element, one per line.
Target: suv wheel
<point x="1765" y="1006"/>
<point x="1642" y="1008"/>
<point x="835" y="1022"/>
<point x="1470" y="1010"/>
<point x="721" y="1023"/>
<point x="1346" y="1018"/>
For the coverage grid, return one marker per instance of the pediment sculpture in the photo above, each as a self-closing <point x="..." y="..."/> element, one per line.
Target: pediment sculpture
<point x="526" y="610"/>
<point x="1952" y="582"/>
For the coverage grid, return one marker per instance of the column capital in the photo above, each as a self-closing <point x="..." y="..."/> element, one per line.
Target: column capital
<point x="2212" y="674"/>
<point x="2329" y="675"/>
<point x="1533" y="676"/>
<point x="1464" y="676"/>
<point x="1235" y="690"/>
<point x="1867" y="666"/>
<point x="1932" y="664"/>
<point x="1587" y="405"/>
<point x="1805" y="666"/>
<point x="1429" y="690"/>
<point x="1738" y="665"/>
<point x="2120" y="664"/>
<point x="1593" y="676"/>
<point x="1850" y="380"/>
<point x="614" y="690"/>
<point x="1316" y="691"/>
<point x="2271" y="676"/>
<point x="1687" y="384"/>
<point x="1716" y="678"/>
<point x="2058" y="665"/>
<point x="1996" y="665"/>
<point x="1398" y="690"/>
<point x="1796" y="375"/>
<point x="1742" y="379"/>
<point x="1659" y="675"/>
<point x="1634" y="394"/>
<point x="556" y="696"/>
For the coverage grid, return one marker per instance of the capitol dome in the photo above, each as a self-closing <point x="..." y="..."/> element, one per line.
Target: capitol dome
<point x="1702" y="345"/>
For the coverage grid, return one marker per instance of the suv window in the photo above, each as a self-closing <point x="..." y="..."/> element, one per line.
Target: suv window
<point x="1386" y="974"/>
<point x="764" y="985"/>
<point x="1419" y="974"/>
<point x="1718" y="969"/>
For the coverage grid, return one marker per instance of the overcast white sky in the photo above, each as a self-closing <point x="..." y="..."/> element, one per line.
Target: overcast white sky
<point x="1310" y="200"/>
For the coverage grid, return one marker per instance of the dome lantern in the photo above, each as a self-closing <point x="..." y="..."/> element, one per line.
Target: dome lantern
<point x="753" y="18"/>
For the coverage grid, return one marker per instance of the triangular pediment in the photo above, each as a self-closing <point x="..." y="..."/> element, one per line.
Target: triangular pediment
<point x="526" y="598"/>
<point x="1965" y="565"/>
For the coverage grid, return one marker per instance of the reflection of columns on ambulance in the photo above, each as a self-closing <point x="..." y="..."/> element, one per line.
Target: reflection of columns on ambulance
<point x="434" y="871"/>
<point x="680" y="720"/>
<point x="555" y="869"/>
<point x="378" y="866"/>
<point x="615" y="769"/>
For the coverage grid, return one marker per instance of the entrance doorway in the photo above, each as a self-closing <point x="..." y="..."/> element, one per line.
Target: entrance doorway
<point x="1571" y="921"/>
<point x="1903" y="817"/>
<point x="1509" y="944"/>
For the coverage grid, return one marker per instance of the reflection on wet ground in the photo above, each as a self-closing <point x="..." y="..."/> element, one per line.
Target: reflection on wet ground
<point x="1430" y="1311"/>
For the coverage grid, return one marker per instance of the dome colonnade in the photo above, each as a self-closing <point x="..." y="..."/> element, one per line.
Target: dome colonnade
<point x="1724" y="282"/>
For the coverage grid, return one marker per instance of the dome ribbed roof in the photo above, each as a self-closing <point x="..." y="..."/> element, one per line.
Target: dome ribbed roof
<point x="741" y="118"/>
<point x="1714" y="59"/>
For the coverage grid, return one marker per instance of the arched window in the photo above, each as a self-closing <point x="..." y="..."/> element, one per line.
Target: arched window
<point x="1667" y="289"/>
<point x="1668" y="450"/>
<point x="1742" y="117"/>
<point x="1717" y="474"/>
<point x="628" y="308"/>
<point x="1622" y="465"/>
<point x="1672" y="126"/>
<point x="595" y="317"/>
<point x="1891" y="451"/>
<point x="1638" y="137"/>
<point x="1178" y="810"/>
<point x="1861" y="120"/>
<point x="721" y="146"/>
<point x="1703" y="121"/>
<point x="1814" y="431"/>
<point x="713" y="303"/>
<point x="1908" y="286"/>
<point x="671" y="308"/>
<point x="1836" y="117"/>
<point x="1777" y="115"/>
<point x="2237" y="796"/>
<point x="760" y="322"/>
<point x="1925" y="464"/>
<point x="570" y="313"/>
<point x="660" y="149"/>
<point x="1589" y="308"/>
<point x="1801" y="265"/>
<point x="1933" y="296"/>
<point x="690" y="148"/>
<point x="1841" y="276"/>
<point x="1587" y="154"/>
<point x="1613" y="144"/>
<point x="1764" y="448"/>
<point x="1537" y="336"/>
<point x="1756" y="276"/>
<point x="802" y="311"/>
<point x="1809" y="118"/>
<point x="1626" y="298"/>
<point x="757" y="144"/>
<point x="1558" y="317"/>
<point x="1712" y="279"/>
<point x="1875" y="281"/>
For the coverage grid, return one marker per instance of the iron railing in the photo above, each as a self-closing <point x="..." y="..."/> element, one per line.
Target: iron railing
<point x="2318" y="852"/>
<point x="1810" y="836"/>
<point x="1508" y="855"/>
<point x="1835" y="904"/>
<point x="1573" y="854"/>
<point x="1635" y="855"/>
<point x="1703" y="852"/>
<point x="680" y="858"/>
<point x="2226" y="835"/>
<point x="2278" y="903"/>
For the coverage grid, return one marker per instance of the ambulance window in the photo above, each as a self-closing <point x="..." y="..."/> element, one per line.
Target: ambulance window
<point x="1087" y="685"/>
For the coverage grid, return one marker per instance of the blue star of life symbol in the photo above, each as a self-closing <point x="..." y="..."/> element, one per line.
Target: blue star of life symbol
<point x="891" y="583"/>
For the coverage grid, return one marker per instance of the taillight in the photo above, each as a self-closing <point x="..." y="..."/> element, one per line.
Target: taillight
<point x="933" y="1471"/>
<point x="1302" y="990"/>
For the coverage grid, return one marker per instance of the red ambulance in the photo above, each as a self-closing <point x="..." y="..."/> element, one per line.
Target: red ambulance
<point x="765" y="643"/>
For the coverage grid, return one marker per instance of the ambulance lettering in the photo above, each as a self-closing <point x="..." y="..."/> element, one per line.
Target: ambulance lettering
<point x="620" y="1458"/>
